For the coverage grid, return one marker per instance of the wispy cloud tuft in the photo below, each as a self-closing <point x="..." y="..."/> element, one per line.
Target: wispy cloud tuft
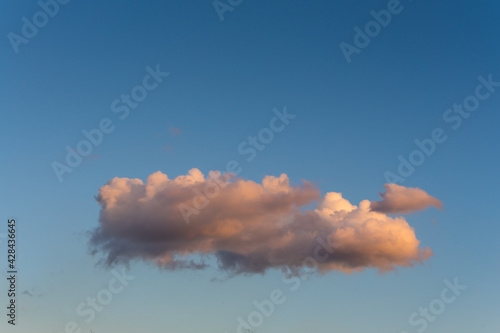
<point x="174" y="131"/>
<point x="398" y="199"/>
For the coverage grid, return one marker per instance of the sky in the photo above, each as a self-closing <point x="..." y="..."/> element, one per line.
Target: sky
<point x="400" y="119"/>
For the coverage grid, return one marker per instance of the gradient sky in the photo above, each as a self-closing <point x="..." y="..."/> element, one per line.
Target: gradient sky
<point x="353" y="121"/>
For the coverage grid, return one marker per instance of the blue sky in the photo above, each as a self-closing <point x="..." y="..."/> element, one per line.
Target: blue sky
<point x="353" y="121"/>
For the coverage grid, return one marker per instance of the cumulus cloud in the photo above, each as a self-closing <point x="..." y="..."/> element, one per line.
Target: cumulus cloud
<point x="248" y="227"/>
<point x="398" y="199"/>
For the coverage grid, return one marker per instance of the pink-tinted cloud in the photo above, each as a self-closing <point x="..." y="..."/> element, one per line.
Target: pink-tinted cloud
<point x="174" y="131"/>
<point x="166" y="147"/>
<point x="248" y="227"/>
<point x="398" y="199"/>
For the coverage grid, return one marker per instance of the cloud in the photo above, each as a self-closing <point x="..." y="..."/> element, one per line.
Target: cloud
<point x="247" y="227"/>
<point x="174" y="131"/>
<point x="167" y="147"/>
<point x="29" y="293"/>
<point x="398" y="199"/>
